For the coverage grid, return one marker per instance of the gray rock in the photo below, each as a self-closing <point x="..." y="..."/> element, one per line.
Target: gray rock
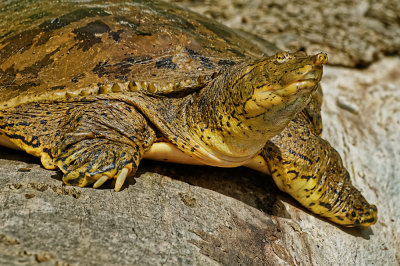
<point x="354" y="33"/>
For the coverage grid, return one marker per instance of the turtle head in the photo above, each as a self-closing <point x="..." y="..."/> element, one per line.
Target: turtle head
<point x="249" y="103"/>
<point x="282" y="84"/>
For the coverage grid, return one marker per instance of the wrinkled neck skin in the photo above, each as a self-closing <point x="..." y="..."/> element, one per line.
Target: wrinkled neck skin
<point x="229" y="124"/>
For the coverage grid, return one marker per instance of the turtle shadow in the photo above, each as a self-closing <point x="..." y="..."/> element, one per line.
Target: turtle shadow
<point x="358" y="232"/>
<point x="246" y="185"/>
<point x="16" y="155"/>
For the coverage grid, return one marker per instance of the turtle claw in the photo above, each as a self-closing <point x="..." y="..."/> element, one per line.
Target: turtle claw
<point x="121" y="178"/>
<point x="119" y="181"/>
<point x="100" y="181"/>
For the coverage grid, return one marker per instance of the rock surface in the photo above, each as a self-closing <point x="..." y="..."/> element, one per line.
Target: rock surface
<point x="174" y="214"/>
<point x="355" y="32"/>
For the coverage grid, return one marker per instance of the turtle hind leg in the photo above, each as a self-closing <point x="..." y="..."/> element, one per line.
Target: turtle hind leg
<point x="311" y="171"/>
<point x="102" y="141"/>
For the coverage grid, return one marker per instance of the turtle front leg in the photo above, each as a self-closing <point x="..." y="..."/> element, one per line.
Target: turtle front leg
<point x="311" y="171"/>
<point x="102" y="141"/>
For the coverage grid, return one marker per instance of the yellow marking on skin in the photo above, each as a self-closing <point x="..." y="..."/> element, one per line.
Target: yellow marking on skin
<point x="253" y="109"/>
<point x="267" y="98"/>
<point x="288" y="90"/>
<point x="305" y="69"/>
<point x="4" y="45"/>
<point x="47" y="161"/>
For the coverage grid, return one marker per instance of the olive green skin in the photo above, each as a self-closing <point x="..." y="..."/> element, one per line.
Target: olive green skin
<point x="89" y="88"/>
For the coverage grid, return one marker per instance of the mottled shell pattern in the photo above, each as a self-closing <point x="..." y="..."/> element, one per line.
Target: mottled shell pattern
<point x="94" y="48"/>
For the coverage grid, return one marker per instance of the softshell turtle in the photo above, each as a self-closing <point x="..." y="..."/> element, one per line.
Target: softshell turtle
<point x="94" y="88"/>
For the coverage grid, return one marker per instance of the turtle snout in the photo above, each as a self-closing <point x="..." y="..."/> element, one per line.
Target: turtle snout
<point x="320" y="59"/>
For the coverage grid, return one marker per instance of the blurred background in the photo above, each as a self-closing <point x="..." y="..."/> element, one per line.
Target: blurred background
<point x="353" y="33"/>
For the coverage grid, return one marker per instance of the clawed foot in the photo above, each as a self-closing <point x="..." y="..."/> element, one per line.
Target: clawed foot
<point x="95" y="161"/>
<point x="102" y="141"/>
<point x="120" y="179"/>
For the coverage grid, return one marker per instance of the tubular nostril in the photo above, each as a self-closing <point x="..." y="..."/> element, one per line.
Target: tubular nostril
<point x="321" y="59"/>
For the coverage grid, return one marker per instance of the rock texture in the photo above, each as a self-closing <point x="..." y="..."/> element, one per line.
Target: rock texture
<point x="355" y="32"/>
<point x="174" y="214"/>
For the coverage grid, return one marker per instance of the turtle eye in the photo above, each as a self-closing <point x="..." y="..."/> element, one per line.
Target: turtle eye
<point x="280" y="57"/>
